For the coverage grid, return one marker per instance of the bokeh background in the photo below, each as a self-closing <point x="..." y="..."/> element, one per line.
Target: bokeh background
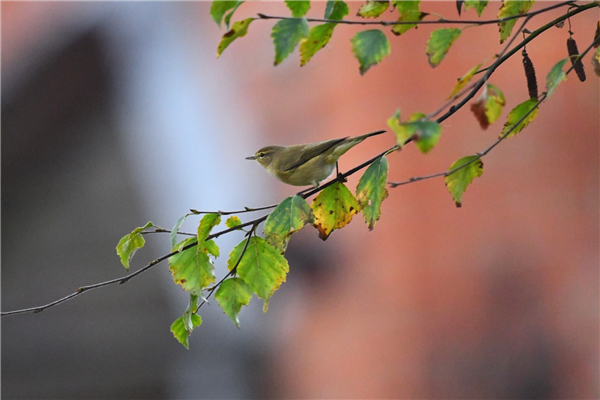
<point x="114" y="114"/>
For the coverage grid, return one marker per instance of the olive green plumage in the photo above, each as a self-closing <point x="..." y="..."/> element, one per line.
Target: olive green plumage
<point x="305" y="164"/>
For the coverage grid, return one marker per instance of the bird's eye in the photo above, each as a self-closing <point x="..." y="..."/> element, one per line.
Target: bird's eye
<point x="261" y="155"/>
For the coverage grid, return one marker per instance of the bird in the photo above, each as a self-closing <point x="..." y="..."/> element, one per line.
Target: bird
<point x="306" y="164"/>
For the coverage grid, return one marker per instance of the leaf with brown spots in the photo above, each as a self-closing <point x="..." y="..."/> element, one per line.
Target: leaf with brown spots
<point x="333" y="208"/>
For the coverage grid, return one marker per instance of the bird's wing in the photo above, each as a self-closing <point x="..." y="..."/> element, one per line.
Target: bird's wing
<point x="311" y="151"/>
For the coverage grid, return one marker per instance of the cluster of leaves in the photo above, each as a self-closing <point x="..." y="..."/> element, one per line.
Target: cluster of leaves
<point x="257" y="265"/>
<point x="370" y="46"/>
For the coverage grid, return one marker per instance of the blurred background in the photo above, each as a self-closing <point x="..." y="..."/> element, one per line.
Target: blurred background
<point x="114" y="114"/>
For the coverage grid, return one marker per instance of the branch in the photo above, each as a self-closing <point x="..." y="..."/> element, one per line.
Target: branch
<point x="439" y="21"/>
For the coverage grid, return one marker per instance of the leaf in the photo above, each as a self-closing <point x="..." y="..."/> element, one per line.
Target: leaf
<point x="176" y="229"/>
<point x="262" y="267"/>
<point x="188" y="320"/>
<point x="232" y="294"/>
<point x="373" y="8"/>
<point x="596" y="62"/>
<point x="402" y="134"/>
<point x="409" y="11"/>
<point x="462" y="82"/>
<point x="336" y="9"/>
<point x="439" y="43"/>
<point x="555" y="77"/>
<point x="210" y="247"/>
<point x="207" y="223"/>
<point x="371" y="191"/>
<point x="228" y="16"/>
<point x="333" y="209"/>
<point x="478" y="5"/>
<point x="517" y="114"/>
<point x="291" y="215"/>
<point x="129" y="244"/>
<point x="191" y="268"/>
<point x="286" y="34"/>
<point x="239" y="29"/>
<point x="427" y="134"/>
<point x="369" y="48"/>
<point x="219" y="8"/>
<point x="508" y="9"/>
<point x="317" y="39"/>
<point x="489" y="106"/>
<point x="297" y="7"/>
<point x="179" y="331"/>
<point x="233" y="221"/>
<point x="458" y="181"/>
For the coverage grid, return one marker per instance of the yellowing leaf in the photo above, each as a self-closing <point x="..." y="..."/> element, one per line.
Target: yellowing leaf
<point x="370" y="47"/>
<point x="409" y="11"/>
<point x="298" y="7"/>
<point x="317" y="39"/>
<point x="207" y="222"/>
<point x="520" y="112"/>
<point x="210" y="247"/>
<point x="371" y="191"/>
<point x="508" y="9"/>
<point x="373" y="8"/>
<point x="489" y="106"/>
<point x="333" y="208"/>
<point x="129" y="244"/>
<point x="239" y="29"/>
<point x="232" y="294"/>
<point x="286" y="34"/>
<point x="555" y="77"/>
<point x="596" y="62"/>
<point x="262" y="267"/>
<point x="402" y="134"/>
<point x="458" y="181"/>
<point x="439" y="43"/>
<point x="291" y="215"/>
<point x="233" y="221"/>
<point x="462" y="82"/>
<point x="191" y="268"/>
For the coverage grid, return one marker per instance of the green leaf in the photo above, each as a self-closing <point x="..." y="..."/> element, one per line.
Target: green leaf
<point x="458" y="181"/>
<point x="207" y="223"/>
<point x="188" y="320"/>
<point x="438" y="44"/>
<point x="409" y="11"/>
<point x="555" y="77"/>
<point x="371" y="191"/>
<point x="219" y="8"/>
<point x="233" y="221"/>
<point x="176" y="229"/>
<point x="462" y="82"/>
<point x="262" y="267"/>
<point x="517" y="114"/>
<point x="508" y="9"/>
<point x="427" y="134"/>
<point x="297" y="7"/>
<point x="317" y="39"/>
<point x="478" y="5"/>
<point x="336" y="9"/>
<point x="239" y="29"/>
<point x="286" y="34"/>
<point x="291" y="215"/>
<point x="210" y="247"/>
<point x="373" y="8"/>
<point x="228" y="16"/>
<point x="369" y="48"/>
<point x="129" y="244"/>
<point x="333" y="209"/>
<point x="232" y="294"/>
<point x="179" y="331"/>
<point x="191" y="268"/>
<point x="489" y="106"/>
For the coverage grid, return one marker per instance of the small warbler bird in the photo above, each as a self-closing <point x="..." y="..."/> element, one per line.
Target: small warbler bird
<point x="305" y="164"/>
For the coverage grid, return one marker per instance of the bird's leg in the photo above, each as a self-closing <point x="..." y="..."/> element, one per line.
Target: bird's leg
<point x="300" y="193"/>
<point x="339" y="176"/>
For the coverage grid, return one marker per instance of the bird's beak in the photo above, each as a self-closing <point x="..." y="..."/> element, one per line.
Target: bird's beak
<point x="251" y="158"/>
